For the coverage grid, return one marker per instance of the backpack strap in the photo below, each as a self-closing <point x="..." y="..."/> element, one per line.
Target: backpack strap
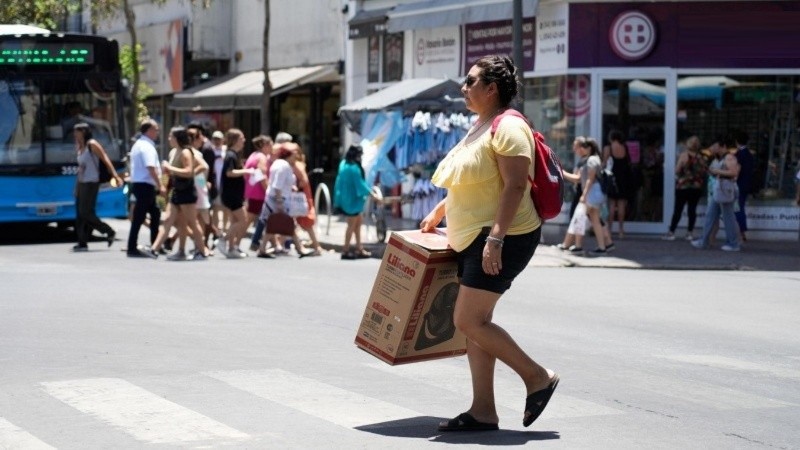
<point x="506" y="113"/>
<point x="513" y="112"/>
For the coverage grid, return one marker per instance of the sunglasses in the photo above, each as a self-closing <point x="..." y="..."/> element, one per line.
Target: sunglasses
<point x="470" y="80"/>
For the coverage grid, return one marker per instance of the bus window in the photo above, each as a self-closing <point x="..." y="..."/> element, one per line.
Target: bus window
<point x="64" y="113"/>
<point x="19" y="137"/>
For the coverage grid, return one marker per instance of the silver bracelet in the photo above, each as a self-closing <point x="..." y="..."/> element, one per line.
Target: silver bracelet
<point x="497" y="241"/>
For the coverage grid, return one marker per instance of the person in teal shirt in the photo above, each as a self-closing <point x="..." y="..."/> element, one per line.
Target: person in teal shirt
<point x="350" y="193"/>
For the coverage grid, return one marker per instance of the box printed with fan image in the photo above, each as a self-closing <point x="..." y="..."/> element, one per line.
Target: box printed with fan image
<point x="409" y="315"/>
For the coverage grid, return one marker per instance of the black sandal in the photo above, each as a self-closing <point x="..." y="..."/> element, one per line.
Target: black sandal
<point x="536" y="402"/>
<point x="465" y="422"/>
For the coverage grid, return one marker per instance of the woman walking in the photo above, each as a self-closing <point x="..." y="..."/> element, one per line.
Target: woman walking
<point x="494" y="228"/>
<point x="350" y="192"/>
<point x="87" y="184"/>
<point x="592" y="198"/>
<point x="255" y="190"/>
<point x="690" y="174"/>
<point x="233" y="194"/>
<point x="617" y="152"/>
<point x="308" y="221"/>
<point x="182" y="208"/>
<point x="282" y="182"/>
<point x="723" y="169"/>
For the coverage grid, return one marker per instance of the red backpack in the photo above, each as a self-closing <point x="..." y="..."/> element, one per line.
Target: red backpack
<point x="546" y="178"/>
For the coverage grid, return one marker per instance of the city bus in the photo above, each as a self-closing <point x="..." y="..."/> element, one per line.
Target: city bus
<point x="48" y="83"/>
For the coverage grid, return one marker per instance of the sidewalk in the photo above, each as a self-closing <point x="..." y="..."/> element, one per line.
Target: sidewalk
<point x="634" y="252"/>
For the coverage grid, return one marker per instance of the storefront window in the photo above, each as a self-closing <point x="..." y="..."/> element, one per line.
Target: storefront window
<point x="763" y="107"/>
<point x="559" y="108"/>
<point x="634" y="108"/>
<point x="374" y="59"/>
<point x="385" y="58"/>
<point x="393" y="57"/>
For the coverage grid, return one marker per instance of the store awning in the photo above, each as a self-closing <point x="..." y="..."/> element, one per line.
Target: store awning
<point x="244" y="90"/>
<point x="434" y="94"/>
<point x="368" y="23"/>
<point x="446" y="13"/>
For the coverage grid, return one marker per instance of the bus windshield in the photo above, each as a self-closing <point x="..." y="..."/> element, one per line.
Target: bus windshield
<point x="38" y="113"/>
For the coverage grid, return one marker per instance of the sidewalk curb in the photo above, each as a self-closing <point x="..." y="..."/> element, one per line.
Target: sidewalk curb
<point x="639" y="252"/>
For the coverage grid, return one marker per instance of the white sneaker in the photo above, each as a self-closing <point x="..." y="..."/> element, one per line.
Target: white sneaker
<point x="728" y="248"/>
<point x="668" y="237"/>
<point x="233" y="255"/>
<point x="698" y="244"/>
<point x="689" y="237"/>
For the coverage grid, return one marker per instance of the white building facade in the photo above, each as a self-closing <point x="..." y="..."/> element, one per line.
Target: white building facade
<point x="203" y="65"/>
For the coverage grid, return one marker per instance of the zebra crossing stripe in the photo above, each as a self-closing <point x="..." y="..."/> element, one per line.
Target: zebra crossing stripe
<point x="12" y="436"/>
<point x="138" y="412"/>
<point x="508" y="390"/>
<point x="724" y="362"/>
<point x="333" y="404"/>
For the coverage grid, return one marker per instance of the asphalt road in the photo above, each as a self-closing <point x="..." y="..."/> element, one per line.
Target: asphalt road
<point x="101" y="351"/>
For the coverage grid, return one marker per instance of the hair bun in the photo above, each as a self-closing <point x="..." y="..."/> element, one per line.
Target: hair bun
<point x="509" y="63"/>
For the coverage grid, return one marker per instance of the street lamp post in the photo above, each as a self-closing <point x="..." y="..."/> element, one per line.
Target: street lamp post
<point x="517" y="48"/>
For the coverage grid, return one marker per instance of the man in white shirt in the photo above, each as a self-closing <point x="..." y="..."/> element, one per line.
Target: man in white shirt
<point x="145" y="185"/>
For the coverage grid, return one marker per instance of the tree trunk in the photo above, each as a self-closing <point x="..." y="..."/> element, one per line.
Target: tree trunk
<point x="130" y="24"/>
<point x="266" y="116"/>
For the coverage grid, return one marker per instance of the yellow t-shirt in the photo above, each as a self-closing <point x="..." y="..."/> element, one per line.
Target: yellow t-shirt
<point x="470" y="174"/>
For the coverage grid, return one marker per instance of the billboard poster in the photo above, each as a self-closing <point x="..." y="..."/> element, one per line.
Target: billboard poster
<point x="552" y="37"/>
<point x="437" y="52"/>
<point x="161" y="55"/>
<point x="490" y="38"/>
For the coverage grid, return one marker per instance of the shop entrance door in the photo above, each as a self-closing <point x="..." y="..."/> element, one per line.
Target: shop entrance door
<point x="637" y="107"/>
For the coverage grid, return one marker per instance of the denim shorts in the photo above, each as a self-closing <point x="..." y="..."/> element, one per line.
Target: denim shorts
<point x="596" y="198"/>
<point x="515" y="256"/>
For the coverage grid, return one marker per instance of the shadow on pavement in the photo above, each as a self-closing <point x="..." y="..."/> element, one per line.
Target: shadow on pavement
<point x="35" y="233"/>
<point x="424" y="427"/>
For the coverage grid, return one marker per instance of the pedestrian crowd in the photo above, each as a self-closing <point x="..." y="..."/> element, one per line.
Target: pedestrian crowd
<point x="205" y="192"/>
<point x="213" y="195"/>
<point x="604" y="182"/>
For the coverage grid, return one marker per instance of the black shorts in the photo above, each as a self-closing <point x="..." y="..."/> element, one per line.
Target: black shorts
<point x="517" y="253"/>
<point x="183" y="197"/>
<point x="232" y="203"/>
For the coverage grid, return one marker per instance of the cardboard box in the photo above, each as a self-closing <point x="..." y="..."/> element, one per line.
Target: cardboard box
<point x="409" y="315"/>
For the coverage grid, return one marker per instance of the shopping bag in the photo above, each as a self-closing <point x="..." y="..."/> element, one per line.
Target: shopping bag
<point x="577" y="226"/>
<point x="296" y="204"/>
<point x="725" y="191"/>
<point x="280" y="223"/>
<point x="256" y="177"/>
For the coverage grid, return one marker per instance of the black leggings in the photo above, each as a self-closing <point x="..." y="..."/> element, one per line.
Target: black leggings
<point x="690" y="196"/>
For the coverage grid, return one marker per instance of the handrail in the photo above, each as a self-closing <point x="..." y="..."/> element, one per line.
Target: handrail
<point x="323" y="191"/>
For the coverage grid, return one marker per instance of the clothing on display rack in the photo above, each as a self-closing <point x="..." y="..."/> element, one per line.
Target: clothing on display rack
<point x="429" y="137"/>
<point x="425" y="196"/>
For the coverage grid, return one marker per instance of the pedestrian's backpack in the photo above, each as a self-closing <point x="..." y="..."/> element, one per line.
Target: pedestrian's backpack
<point x="607" y="182"/>
<point x="547" y="180"/>
<point x="103" y="175"/>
